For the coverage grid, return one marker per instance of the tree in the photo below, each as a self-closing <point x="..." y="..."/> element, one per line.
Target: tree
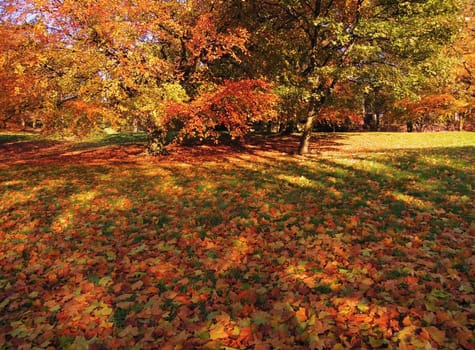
<point x="233" y="106"/>
<point x="20" y="84"/>
<point x="427" y="110"/>
<point x="125" y="62"/>
<point x="462" y="86"/>
<point x="323" y="42"/>
<point x="447" y="99"/>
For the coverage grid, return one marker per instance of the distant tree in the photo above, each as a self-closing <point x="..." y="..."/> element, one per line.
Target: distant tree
<point x="430" y="110"/>
<point x="462" y="86"/>
<point x="20" y="83"/>
<point x="318" y="43"/>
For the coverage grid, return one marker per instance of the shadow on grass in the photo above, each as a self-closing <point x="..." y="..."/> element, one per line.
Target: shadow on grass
<point x="320" y="142"/>
<point x="113" y="140"/>
<point x="8" y="138"/>
<point x="241" y="251"/>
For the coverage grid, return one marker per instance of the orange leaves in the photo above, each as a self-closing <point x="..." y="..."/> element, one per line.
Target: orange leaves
<point x="340" y="116"/>
<point x="128" y="332"/>
<point x="437" y="335"/>
<point x="301" y="314"/>
<point x="110" y="61"/>
<point x="233" y="105"/>
<point x="439" y="104"/>
<point x="207" y="44"/>
<point x="203" y="252"/>
<point x="137" y="285"/>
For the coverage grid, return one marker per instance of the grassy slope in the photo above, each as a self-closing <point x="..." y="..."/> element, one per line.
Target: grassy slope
<point x="368" y="244"/>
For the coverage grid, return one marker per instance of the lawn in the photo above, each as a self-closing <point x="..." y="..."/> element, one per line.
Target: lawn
<point x="368" y="242"/>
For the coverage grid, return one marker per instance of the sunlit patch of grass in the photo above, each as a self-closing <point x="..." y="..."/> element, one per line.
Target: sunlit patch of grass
<point x="381" y="141"/>
<point x="298" y="180"/>
<point x="411" y="200"/>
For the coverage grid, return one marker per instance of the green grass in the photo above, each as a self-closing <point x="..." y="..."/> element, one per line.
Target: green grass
<point x="7" y="137"/>
<point x="123" y="138"/>
<point x="116" y="139"/>
<point x="385" y="141"/>
<point x="380" y="225"/>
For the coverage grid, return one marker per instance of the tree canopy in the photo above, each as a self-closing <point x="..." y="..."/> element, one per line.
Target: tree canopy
<point x="319" y="44"/>
<point x="79" y="65"/>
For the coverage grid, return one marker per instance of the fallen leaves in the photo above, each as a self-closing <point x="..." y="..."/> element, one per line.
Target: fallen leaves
<point x="249" y="252"/>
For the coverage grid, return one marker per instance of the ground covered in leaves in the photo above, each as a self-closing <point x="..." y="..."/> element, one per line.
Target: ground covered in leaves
<point x="367" y="243"/>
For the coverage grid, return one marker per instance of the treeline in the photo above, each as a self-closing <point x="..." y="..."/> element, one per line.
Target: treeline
<point x="203" y="67"/>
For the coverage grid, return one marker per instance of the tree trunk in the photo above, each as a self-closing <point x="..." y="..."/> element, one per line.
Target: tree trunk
<point x="156" y="143"/>
<point x="306" y="134"/>
<point x="135" y="125"/>
<point x="363" y="111"/>
<point x="377" y="117"/>
<point x="460" y="121"/>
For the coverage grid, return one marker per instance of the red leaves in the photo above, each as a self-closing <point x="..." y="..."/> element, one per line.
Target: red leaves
<point x="242" y="253"/>
<point x="339" y="116"/>
<point x="207" y="44"/>
<point x="233" y="105"/>
<point x="438" y="104"/>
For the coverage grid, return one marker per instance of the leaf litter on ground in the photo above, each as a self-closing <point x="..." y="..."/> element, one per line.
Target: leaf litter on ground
<point x="216" y="248"/>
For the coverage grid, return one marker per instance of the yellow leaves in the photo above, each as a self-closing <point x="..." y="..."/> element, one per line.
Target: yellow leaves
<point x="19" y="68"/>
<point x="80" y="343"/>
<point x="222" y="329"/>
<point x="263" y="276"/>
<point x="52" y="305"/>
<point x="103" y="311"/>
<point x="217" y="331"/>
<point x="298" y="180"/>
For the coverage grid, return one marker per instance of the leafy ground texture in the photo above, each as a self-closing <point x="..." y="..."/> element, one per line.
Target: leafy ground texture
<point x="367" y="243"/>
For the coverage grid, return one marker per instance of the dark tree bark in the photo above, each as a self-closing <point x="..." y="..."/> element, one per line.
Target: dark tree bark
<point x="156" y="143"/>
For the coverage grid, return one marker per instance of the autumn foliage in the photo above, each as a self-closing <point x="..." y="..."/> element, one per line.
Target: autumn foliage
<point x="365" y="245"/>
<point x="94" y="64"/>
<point x="362" y="241"/>
<point x="234" y="106"/>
